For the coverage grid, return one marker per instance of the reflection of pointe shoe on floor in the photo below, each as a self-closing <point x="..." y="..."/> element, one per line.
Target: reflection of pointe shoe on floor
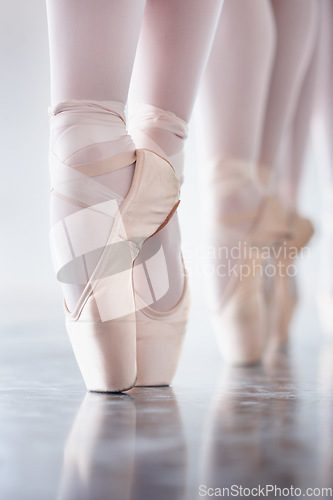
<point x="245" y="219"/>
<point x="102" y="327"/>
<point x="159" y="339"/>
<point x="99" y="454"/>
<point x="161" y="458"/>
<point x="283" y="299"/>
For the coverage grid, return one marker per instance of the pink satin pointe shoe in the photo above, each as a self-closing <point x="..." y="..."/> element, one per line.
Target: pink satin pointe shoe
<point x="252" y="222"/>
<point x="160" y="334"/>
<point x="159" y="339"/>
<point x="283" y="298"/>
<point x="102" y="327"/>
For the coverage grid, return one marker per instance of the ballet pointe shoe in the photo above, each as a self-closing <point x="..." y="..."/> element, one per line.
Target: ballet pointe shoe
<point x="239" y="317"/>
<point x="159" y="339"/>
<point x="102" y="327"/>
<point x="283" y="299"/>
<point x="239" y="324"/>
<point x="160" y="335"/>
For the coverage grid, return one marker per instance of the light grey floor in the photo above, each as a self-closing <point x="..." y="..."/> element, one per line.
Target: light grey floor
<point x="268" y="425"/>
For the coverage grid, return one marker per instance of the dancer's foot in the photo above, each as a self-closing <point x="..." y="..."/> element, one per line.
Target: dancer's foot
<point x="96" y="243"/>
<point x="162" y="291"/>
<point x="242" y="222"/>
<point x="282" y="300"/>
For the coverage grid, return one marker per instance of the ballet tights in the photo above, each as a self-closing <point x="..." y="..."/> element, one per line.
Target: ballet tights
<point x="323" y="112"/>
<point x="294" y="146"/>
<point x="174" y="45"/>
<point x="323" y="140"/>
<point x="92" y="47"/>
<point x="296" y="28"/>
<point x="232" y="102"/>
<point x="233" y="93"/>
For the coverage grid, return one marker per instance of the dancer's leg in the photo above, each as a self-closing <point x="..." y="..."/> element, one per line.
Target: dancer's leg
<point x="296" y="23"/>
<point x="283" y="295"/>
<point x="286" y="124"/>
<point x="323" y="113"/>
<point x="232" y="102"/>
<point x="291" y="161"/>
<point x="323" y="140"/>
<point x="173" y="48"/>
<point x="92" y="49"/>
<point x="235" y="85"/>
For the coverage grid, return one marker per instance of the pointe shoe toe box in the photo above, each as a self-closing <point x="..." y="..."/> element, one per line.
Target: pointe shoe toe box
<point x="160" y="338"/>
<point x="239" y="329"/>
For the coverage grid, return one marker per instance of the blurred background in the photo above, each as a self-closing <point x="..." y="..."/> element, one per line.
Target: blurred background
<point x="271" y="423"/>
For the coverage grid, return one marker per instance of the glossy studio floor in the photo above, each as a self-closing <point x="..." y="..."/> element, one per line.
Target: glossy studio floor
<point x="269" y="425"/>
<point x="245" y="428"/>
